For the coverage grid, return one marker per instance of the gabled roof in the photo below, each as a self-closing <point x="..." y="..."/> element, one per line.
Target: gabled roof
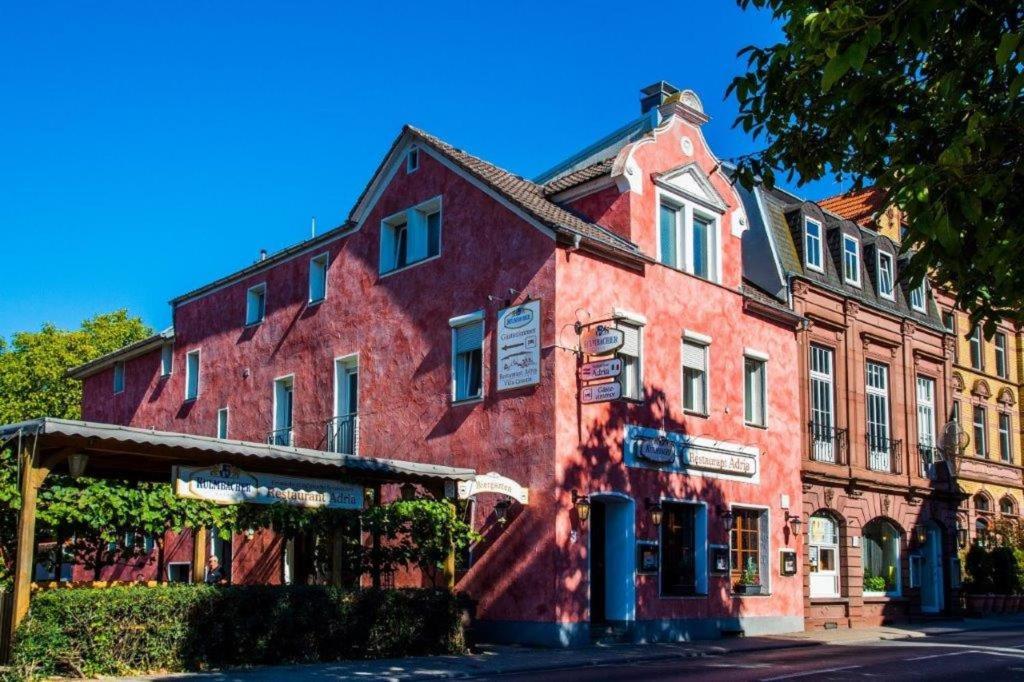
<point x="859" y="206"/>
<point x="128" y="352"/>
<point x="591" y="172"/>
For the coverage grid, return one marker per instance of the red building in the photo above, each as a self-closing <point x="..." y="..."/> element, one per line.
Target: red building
<point x="661" y="503"/>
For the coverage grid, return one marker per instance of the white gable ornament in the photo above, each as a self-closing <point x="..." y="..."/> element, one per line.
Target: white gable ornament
<point x="692" y="183"/>
<point x="493" y="482"/>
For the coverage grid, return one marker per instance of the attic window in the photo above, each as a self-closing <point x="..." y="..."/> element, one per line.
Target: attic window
<point x="918" y="298"/>
<point x="411" y="236"/>
<point x="851" y="260"/>
<point x="885" y="276"/>
<point x="412" y="160"/>
<point x="813" y="252"/>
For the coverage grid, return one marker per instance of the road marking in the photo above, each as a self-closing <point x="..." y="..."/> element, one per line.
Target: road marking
<point x="810" y="672"/>
<point x="952" y="653"/>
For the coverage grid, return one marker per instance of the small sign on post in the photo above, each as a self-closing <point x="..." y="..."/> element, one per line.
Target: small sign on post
<point x="518" y="342"/>
<point x="600" y="393"/>
<point x="602" y="369"/>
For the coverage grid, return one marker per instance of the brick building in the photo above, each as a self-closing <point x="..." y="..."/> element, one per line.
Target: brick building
<point x="661" y="503"/>
<point x="874" y="395"/>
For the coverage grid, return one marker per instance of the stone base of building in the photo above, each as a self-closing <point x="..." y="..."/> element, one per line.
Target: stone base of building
<point x="562" y="635"/>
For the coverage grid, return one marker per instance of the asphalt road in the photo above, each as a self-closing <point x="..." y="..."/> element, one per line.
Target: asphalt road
<point x="990" y="655"/>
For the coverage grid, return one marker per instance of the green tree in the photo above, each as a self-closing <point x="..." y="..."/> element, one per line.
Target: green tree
<point x="921" y="98"/>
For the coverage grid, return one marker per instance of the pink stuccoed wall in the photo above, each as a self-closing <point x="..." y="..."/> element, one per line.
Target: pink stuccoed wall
<point x="534" y="568"/>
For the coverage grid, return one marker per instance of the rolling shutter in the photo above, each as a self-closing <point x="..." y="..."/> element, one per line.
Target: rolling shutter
<point x="694" y="356"/>
<point x="469" y="337"/>
<point x="631" y="345"/>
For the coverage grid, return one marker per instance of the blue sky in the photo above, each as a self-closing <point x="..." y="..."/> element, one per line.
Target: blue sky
<point x="148" y="148"/>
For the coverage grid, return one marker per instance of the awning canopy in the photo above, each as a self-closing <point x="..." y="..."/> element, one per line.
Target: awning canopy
<point x="124" y="452"/>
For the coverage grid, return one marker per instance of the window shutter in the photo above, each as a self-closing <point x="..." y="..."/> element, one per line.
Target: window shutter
<point x="469" y="337"/>
<point x="694" y="356"/>
<point x="631" y="344"/>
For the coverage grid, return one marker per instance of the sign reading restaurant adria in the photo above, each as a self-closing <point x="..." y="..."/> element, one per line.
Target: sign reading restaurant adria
<point x="519" y="346"/>
<point x="602" y="369"/>
<point x="601" y="340"/>
<point x="227" y="484"/>
<point x="647" y="447"/>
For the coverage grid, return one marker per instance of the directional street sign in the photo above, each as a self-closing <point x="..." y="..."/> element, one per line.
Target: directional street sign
<point x="602" y="340"/>
<point x="602" y="369"/>
<point x="600" y="393"/>
<point x="519" y="346"/>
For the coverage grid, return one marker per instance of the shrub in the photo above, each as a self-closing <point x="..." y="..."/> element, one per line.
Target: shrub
<point x="979" y="570"/>
<point x="1005" y="572"/>
<point x="125" y="630"/>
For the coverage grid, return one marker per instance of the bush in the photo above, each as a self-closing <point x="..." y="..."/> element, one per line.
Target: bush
<point x="1005" y="572"/>
<point x="126" y="630"/>
<point x="979" y="570"/>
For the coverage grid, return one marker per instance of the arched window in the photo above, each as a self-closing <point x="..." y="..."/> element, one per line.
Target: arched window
<point x="1007" y="507"/>
<point x="981" y="503"/>
<point x="981" y="532"/>
<point x="823" y="552"/>
<point x="881" y="558"/>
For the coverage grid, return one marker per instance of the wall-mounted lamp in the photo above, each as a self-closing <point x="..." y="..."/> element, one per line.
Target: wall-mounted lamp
<point x="408" y="491"/>
<point x="655" y="510"/>
<point x="961" y="534"/>
<point x="725" y="514"/>
<point x="76" y="464"/>
<point x="582" y="504"/>
<point x="501" y="508"/>
<point x="921" y="533"/>
<point x="794" y="521"/>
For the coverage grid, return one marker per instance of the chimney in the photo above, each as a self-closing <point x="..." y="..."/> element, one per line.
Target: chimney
<point x="654" y="95"/>
<point x="263" y="254"/>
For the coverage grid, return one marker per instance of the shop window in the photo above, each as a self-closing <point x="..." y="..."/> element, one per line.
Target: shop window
<point x="881" y="546"/>
<point x="683" y="555"/>
<point x="823" y="554"/>
<point x="748" y="551"/>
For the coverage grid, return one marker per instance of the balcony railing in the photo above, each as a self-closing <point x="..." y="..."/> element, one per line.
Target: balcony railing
<point x="343" y="434"/>
<point x="828" y="444"/>
<point x="884" y="454"/>
<point x="930" y="457"/>
<point x="284" y="437"/>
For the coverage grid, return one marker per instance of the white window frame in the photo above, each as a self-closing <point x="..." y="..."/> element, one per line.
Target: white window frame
<point x="1002" y="366"/>
<point x="879" y="460"/>
<point x="983" y="424"/>
<point x="193" y="376"/>
<point x="119" y="377"/>
<point x="223" y="416"/>
<point x="919" y="297"/>
<point x="975" y="341"/>
<point x="925" y="387"/>
<point x="635" y="322"/>
<point x="882" y="271"/>
<point x="412" y="159"/>
<point x="319" y="262"/>
<point x="1005" y="436"/>
<point x="764" y="530"/>
<point x="188" y="569"/>
<point x="455" y="323"/>
<point x="704" y="342"/>
<point x="855" y="279"/>
<point x="819" y="251"/>
<point x="280" y="382"/>
<point x="262" y="289"/>
<point x="685" y="211"/>
<point x="822" y="385"/>
<point x="761" y="358"/>
<point x="416" y="223"/>
<point x="342" y="365"/>
<point x="166" y="359"/>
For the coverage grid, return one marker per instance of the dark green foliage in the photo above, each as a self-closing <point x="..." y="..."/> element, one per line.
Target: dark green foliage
<point x="979" y="570"/>
<point x="1005" y="571"/>
<point x="124" y="630"/>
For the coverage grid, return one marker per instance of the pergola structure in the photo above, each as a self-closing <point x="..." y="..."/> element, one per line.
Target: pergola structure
<point x="114" y="452"/>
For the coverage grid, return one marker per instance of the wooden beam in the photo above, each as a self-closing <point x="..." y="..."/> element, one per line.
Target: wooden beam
<point x="34" y="470"/>
<point x="199" y="537"/>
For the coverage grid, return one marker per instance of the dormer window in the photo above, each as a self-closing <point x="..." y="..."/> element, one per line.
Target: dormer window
<point x="851" y="260"/>
<point x="918" y="297"/>
<point x="886" y="276"/>
<point x="411" y="237"/>
<point x="814" y="256"/>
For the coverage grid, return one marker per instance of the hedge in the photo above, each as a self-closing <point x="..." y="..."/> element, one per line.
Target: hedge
<point x="128" y="630"/>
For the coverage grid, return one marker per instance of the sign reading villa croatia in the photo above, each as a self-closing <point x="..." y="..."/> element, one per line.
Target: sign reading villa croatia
<point x="227" y="484"/>
<point x="671" y="451"/>
<point x="519" y="346"/>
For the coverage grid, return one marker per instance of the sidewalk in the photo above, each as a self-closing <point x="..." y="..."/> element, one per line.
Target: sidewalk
<point x="493" y="660"/>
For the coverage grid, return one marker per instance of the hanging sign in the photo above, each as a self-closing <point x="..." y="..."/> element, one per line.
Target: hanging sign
<point x="493" y="482"/>
<point x="601" y="340"/>
<point x="602" y="369"/>
<point x="227" y="484"/>
<point x="600" y="393"/>
<point x="659" y="450"/>
<point x="518" y="342"/>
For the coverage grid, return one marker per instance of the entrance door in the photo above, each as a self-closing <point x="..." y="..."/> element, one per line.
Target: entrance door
<point x="612" y="559"/>
<point x="931" y="571"/>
